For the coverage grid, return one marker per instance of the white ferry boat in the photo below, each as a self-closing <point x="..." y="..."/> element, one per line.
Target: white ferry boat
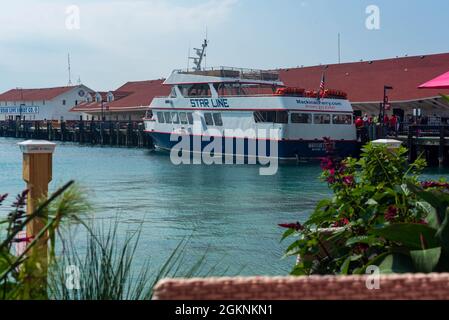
<point x="231" y="102"/>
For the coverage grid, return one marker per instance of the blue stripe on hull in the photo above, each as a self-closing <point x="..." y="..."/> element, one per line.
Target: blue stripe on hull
<point x="286" y="149"/>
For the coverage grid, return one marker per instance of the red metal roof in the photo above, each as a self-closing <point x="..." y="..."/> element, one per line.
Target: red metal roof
<point x="34" y="94"/>
<point x="364" y="81"/>
<point x="135" y="95"/>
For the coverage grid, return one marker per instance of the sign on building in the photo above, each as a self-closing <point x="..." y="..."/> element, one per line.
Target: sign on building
<point x="19" y="110"/>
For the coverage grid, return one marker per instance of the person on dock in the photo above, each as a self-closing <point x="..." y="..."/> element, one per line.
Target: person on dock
<point x="359" y="124"/>
<point x="393" y="125"/>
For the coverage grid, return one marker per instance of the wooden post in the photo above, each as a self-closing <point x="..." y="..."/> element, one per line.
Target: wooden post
<point x="63" y="134"/>
<point x="117" y="127"/>
<point x="37" y="173"/>
<point x="111" y="133"/>
<point x="102" y="133"/>
<point x="410" y="143"/>
<point x="81" y="132"/>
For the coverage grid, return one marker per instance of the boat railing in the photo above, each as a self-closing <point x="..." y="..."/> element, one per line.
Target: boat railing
<point x="237" y="73"/>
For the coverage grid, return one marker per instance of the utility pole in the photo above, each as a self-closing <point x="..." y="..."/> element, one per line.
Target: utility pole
<point x="383" y="108"/>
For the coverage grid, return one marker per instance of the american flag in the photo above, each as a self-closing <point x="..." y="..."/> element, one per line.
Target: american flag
<point x="322" y="85"/>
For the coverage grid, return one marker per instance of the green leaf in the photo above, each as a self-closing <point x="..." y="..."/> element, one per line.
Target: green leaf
<point x="370" y="240"/>
<point x="372" y="202"/>
<point x="5" y="260"/>
<point x="409" y="235"/>
<point x="396" y="263"/>
<point x="445" y="97"/>
<point x="443" y="232"/>
<point x="345" y="266"/>
<point x="431" y="214"/>
<point x="437" y="199"/>
<point x="287" y="234"/>
<point x="426" y="260"/>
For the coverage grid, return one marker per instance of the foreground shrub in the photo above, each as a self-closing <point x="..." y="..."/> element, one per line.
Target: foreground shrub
<point x="380" y="215"/>
<point x="21" y="274"/>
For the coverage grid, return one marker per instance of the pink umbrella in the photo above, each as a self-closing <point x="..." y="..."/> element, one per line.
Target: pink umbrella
<point x="441" y="82"/>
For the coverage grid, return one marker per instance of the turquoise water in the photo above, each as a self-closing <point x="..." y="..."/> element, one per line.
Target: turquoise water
<point x="229" y="211"/>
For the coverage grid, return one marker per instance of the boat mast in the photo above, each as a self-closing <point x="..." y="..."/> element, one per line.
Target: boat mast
<point x="201" y="54"/>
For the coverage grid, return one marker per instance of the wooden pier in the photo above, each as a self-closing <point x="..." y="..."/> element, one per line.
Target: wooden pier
<point x="430" y="141"/>
<point x="104" y="133"/>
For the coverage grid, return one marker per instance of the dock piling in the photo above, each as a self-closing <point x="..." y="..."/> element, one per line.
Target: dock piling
<point x="37" y="173"/>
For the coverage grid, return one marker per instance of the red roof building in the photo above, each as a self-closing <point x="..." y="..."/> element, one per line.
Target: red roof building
<point x="130" y="101"/>
<point x="42" y="104"/>
<point x="364" y="82"/>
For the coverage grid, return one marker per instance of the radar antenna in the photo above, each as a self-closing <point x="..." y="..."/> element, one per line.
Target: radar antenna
<point x="201" y="54"/>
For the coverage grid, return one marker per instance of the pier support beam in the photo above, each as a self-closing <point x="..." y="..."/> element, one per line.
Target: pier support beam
<point x="441" y="147"/>
<point x="410" y="144"/>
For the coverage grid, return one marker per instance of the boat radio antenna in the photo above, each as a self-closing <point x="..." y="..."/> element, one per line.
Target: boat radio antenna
<point x="69" y="70"/>
<point x="201" y="53"/>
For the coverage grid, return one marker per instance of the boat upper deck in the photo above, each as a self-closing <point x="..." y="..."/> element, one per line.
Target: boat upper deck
<point x="224" y="75"/>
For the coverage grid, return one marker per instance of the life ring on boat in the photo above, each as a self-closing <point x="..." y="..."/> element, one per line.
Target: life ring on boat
<point x="338" y="94"/>
<point x="290" y="91"/>
<point x="311" y="94"/>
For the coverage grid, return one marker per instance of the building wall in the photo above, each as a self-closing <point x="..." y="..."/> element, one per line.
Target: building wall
<point x="115" y="116"/>
<point x="53" y="109"/>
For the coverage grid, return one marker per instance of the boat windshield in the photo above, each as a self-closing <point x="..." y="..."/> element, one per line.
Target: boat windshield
<point x="238" y="89"/>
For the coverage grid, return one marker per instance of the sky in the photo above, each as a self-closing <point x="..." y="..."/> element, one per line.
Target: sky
<point x="114" y="41"/>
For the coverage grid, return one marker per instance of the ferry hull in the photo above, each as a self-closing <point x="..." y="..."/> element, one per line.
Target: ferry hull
<point x="286" y="149"/>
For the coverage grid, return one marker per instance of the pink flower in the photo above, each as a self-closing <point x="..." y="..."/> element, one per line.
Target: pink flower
<point x="434" y="184"/>
<point x="362" y="247"/>
<point x="348" y="180"/>
<point x="391" y="213"/>
<point x="297" y="226"/>
<point x="331" y="180"/>
<point x="343" y="222"/>
<point x="327" y="164"/>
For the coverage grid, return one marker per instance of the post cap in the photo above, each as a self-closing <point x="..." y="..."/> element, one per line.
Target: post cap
<point x="37" y="146"/>
<point x="390" y="143"/>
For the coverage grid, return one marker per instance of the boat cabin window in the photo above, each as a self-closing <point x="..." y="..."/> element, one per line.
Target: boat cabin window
<point x="229" y="89"/>
<point x="149" y="114"/>
<point x="301" y="118"/>
<point x="183" y="117"/>
<point x="271" y="116"/>
<point x="208" y="118"/>
<point x="281" y="117"/>
<point x="196" y="90"/>
<point x="173" y="92"/>
<point x="167" y="116"/>
<point x="190" y="117"/>
<point x="160" y="117"/>
<point x="342" y="119"/>
<point x="321" y="118"/>
<point x="175" y="117"/>
<point x="217" y="119"/>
